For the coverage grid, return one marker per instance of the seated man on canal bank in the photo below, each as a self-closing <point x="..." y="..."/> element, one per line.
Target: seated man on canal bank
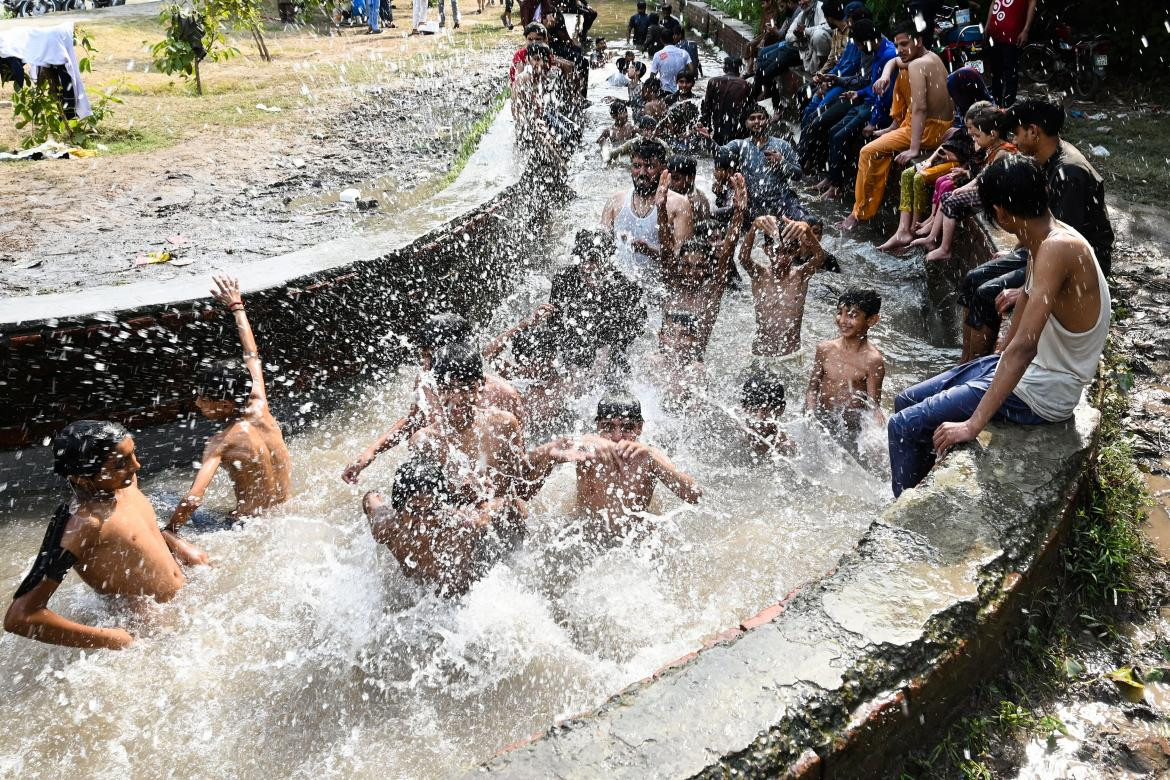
<point x="436" y="541"/>
<point x="438" y="331"/>
<point x="251" y="447"/>
<point x="1076" y="196"/>
<point x="1055" y="342"/>
<point x="925" y="114"/>
<point x="616" y="473"/>
<point x="108" y="532"/>
<point x="481" y="448"/>
<point x="769" y="166"/>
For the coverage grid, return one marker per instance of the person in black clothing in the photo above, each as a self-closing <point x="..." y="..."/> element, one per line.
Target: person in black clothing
<point x="724" y="103"/>
<point x="639" y="23"/>
<point x="668" y="22"/>
<point x="1076" y="196"/>
<point x="691" y="48"/>
<point x="587" y="14"/>
<point x="656" y="37"/>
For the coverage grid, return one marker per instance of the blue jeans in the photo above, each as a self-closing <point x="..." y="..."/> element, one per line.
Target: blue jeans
<point x="810" y="111"/>
<point x="843" y="146"/>
<point x="949" y="397"/>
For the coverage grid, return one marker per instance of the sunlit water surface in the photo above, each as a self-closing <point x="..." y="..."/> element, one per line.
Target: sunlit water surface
<point x="304" y="651"/>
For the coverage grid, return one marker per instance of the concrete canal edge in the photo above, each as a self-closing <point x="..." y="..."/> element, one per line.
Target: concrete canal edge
<point x="853" y="670"/>
<point x="327" y="312"/>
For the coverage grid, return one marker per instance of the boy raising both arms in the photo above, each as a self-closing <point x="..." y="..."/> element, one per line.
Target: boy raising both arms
<point x="108" y="532"/>
<point x="251" y="446"/>
<point x="846" y="380"/>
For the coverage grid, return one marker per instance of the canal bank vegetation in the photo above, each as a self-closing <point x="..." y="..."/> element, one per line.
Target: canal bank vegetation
<point x="311" y="66"/>
<point x="1076" y="645"/>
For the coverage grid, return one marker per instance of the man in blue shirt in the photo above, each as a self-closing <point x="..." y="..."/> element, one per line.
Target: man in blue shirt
<point x="769" y="166"/>
<point x="638" y="25"/>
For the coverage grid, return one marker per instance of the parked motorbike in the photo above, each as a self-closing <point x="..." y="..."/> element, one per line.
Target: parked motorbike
<point x="959" y="38"/>
<point x="1067" y="61"/>
<point x="42" y="7"/>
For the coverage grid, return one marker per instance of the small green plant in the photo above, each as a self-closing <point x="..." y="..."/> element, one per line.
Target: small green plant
<point x="194" y="33"/>
<point x="40" y="106"/>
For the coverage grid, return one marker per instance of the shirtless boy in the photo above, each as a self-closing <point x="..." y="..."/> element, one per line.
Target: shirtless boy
<point x="436" y="543"/>
<point x="794" y="253"/>
<point x="480" y="447"/>
<point x="682" y="180"/>
<point x="439" y="331"/>
<point x="678" y="363"/>
<point x="763" y="404"/>
<point x="108" y="532"/>
<point x="251" y="447"/>
<point x="696" y="284"/>
<point x="622" y="130"/>
<point x="616" y="473"/>
<point x="847" y="377"/>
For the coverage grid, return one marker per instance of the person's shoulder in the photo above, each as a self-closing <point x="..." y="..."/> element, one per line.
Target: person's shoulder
<point x="501" y="419"/>
<point x="83" y="527"/>
<point x="873" y="356"/>
<point x="1073" y="163"/>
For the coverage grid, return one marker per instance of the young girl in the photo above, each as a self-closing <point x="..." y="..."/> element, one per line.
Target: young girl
<point x="987" y="126"/>
<point x="918" y="184"/>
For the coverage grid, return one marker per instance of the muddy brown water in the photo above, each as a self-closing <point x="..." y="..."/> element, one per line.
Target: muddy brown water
<point x="304" y="652"/>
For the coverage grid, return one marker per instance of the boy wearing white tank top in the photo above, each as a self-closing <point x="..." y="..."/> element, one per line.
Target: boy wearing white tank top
<point x="1052" y="349"/>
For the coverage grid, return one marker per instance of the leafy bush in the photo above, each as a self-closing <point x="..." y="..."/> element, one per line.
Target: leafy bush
<point x="194" y="32"/>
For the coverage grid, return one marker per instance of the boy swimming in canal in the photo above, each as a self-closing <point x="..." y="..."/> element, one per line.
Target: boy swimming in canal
<point x="108" y="532"/>
<point x="434" y="540"/>
<point x="846" y="380"/>
<point x="616" y="473"/>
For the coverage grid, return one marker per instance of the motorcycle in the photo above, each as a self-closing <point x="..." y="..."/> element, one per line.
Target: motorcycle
<point x="42" y="7"/>
<point x="1066" y="61"/>
<point x="960" y="40"/>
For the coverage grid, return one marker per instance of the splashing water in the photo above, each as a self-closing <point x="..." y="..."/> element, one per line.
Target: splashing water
<point x="305" y="652"/>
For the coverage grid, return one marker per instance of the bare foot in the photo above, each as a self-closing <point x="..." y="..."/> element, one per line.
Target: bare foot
<point x="833" y="193"/>
<point x="938" y="254"/>
<point x="897" y="241"/>
<point x="923" y="229"/>
<point x="923" y="241"/>
<point x="850" y="223"/>
<point x="822" y="185"/>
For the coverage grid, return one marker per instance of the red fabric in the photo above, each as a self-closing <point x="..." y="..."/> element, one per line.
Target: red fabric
<point x="518" y="60"/>
<point x="1007" y="20"/>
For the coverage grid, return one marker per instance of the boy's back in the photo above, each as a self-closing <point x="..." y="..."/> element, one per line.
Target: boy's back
<point x="257" y="460"/>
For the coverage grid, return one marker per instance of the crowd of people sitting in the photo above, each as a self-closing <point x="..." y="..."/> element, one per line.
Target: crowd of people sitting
<point x="665" y="253"/>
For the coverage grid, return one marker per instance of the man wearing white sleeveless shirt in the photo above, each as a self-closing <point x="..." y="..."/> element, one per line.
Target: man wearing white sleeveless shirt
<point x="650" y="221"/>
<point x="1057" y="335"/>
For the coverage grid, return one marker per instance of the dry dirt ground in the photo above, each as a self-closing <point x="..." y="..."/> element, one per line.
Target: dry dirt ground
<point x="218" y="180"/>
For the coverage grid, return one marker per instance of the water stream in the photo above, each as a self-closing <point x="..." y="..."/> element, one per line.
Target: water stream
<point x="304" y="652"/>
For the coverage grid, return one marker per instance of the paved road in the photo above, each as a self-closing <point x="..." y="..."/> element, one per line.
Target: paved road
<point x="133" y="8"/>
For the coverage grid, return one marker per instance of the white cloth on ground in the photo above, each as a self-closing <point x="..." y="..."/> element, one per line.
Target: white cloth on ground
<point x="41" y="46"/>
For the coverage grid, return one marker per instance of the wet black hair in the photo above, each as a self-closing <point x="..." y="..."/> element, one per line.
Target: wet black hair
<point x="649" y="149"/>
<point x="618" y="107"/>
<point x="641" y="4"/>
<point x="594" y="245"/>
<point x="538" y="50"/>
<point x="755" y="108"/>
<point x="867" y="300"/>
<point x="535" y="27"/>
<point x="619" y="406"/>
<point x="654" y="84"/>
<point x="907" y="27"/>
<point x="864" y="30"/>
<point x="857" y="14"/>
<point x="762" y="388"/>
<point x="82" y="447"/>
<point x="647" y="123"/>
<point x="639" y="68"/>
<point x="458" y="365"/>
<point x="684" y="318"/>
<point x="1017" y="183"/>
<point x="678" y="32"/>
<point x="534" y="344"/>
<point x="418" y="478"/>
<point x="833" y="10"/>
<point x="224" y="380"/>
<point x="439" y="330"/>
<point x="1049" y="117"/>
<point x="732" y="65"/>
<point x="682" y="165"/>
<point x="725" y="159"/>
<point x="654" y="18"/>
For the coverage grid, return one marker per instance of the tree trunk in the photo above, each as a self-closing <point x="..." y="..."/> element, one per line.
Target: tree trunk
<point x="198" y="82"/>
<point x="259" y="38"/>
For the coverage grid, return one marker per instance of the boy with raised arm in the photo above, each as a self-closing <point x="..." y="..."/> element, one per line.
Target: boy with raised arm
<point x="616" y="473"/>
<point x="793" y="252"/>
<point x="480" y="447"/>
<point x="108" y="532"/>
<point x="251" y="447"/>
<point x="439" y="331"/>
<point x="846" y="380"/>
<point x="436" y="543"/>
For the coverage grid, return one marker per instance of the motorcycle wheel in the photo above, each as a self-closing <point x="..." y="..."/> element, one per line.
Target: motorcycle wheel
<point x="80" y="5"/>
<point x="37" y="8"/>
<point x="1086" y="83"/>
<point x="1038" y="63"/>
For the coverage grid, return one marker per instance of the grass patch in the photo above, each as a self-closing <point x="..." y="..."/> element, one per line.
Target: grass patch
<point x="1138" y="166"/>
<point x="471" y="140"/>
<point x="1101" y="584"/>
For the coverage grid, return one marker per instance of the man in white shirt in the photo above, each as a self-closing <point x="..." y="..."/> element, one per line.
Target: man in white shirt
<point x="670" y="61"/>
<point x="810" y="34"/>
